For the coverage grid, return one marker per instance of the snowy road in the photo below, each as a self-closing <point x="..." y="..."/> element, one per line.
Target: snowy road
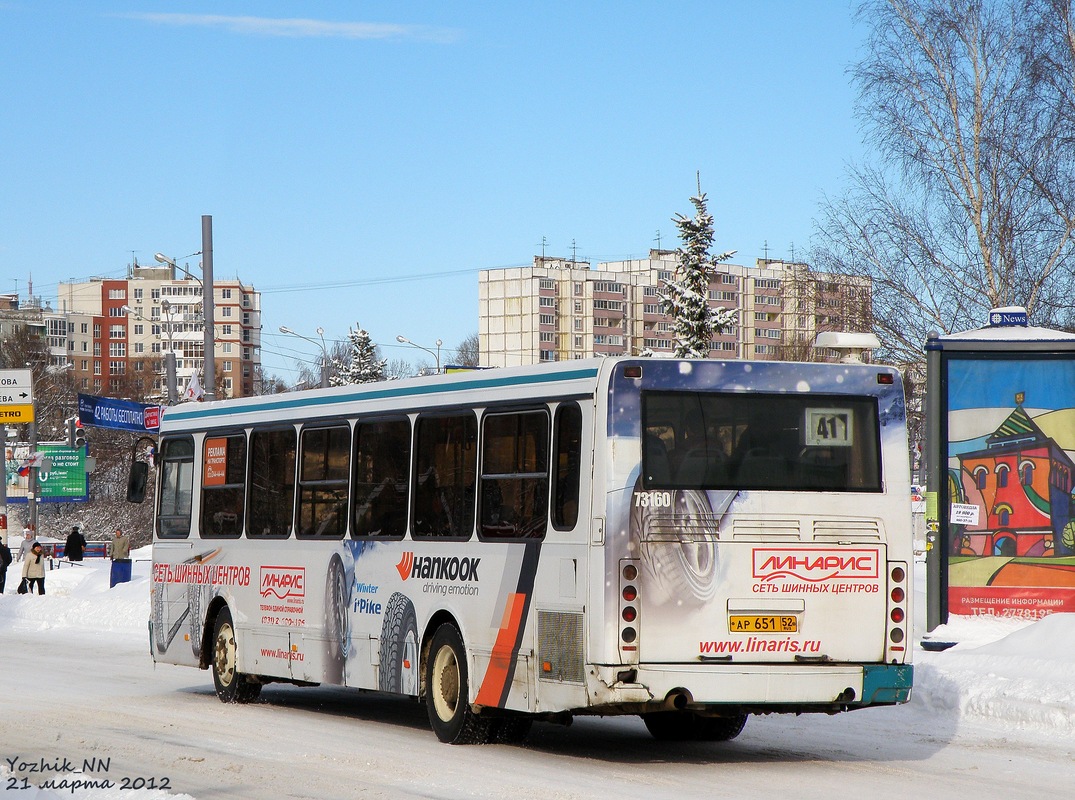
<point x="993" y="718"/>
<point x="99" y="696"/>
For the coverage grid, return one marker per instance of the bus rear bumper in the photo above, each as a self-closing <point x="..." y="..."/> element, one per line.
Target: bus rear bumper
<point x="783" y="687"/>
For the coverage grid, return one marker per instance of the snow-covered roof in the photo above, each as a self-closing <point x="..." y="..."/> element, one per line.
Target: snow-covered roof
<point x="1009" y="333"/>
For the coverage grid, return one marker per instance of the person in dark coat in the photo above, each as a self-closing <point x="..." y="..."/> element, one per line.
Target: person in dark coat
<point x="75" y="546"/>
<point x="5" y="560"/>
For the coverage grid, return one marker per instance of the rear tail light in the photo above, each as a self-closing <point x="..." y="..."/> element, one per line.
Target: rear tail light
<point x="629" y="611"/>
<point x="897" y="612"/>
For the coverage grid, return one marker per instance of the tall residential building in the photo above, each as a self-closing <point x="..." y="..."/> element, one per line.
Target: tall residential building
<point x="558" y="310"/>
<point x="108" y="346"/>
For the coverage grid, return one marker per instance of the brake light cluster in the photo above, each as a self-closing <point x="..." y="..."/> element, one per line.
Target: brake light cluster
<point x="628" y="624"/>
<point x="898" y="622"/>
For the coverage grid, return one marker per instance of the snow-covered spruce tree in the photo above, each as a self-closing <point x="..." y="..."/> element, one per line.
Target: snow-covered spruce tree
<point x="685" y="298"/>
<point x="365" y="366"/>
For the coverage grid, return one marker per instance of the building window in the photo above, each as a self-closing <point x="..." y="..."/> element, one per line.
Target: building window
<point x="117" y="294"/>
<point x="1002" y="476"/>
<point x="225" y="294"/>
<point x="96" y="349"/>
<point x="547" y="319"/>
<point x="117" y="350"/>
<point x="117" y="332"/>
<point x="225" y="311"/>
<point x="117" y="367"/>
<point x="1028" y="474"/>
<point x="84" y="328"/>
<point x="225" y="366"/>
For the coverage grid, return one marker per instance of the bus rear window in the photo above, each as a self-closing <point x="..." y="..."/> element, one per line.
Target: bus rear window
<point x="783" y="442"/>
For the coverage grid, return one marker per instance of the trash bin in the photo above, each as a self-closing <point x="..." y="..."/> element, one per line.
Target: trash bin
<point x="121" y="572"/>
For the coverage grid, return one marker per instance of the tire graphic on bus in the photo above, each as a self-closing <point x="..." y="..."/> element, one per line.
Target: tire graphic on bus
<point x="194" y="604"/>
<point x="683" y="569"/>
<point x="398" y="653"/>
<point x="337" y="626"/>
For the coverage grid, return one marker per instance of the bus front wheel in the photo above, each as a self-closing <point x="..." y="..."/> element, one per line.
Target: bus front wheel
<point x="232" y="686"/>
<point x="447" y="691"/>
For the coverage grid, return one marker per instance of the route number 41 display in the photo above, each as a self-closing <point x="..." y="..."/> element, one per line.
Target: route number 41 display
<point x="828" y="427"/>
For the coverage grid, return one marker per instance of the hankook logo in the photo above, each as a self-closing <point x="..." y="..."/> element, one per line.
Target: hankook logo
<point x="814" y="565"/>
<point x="441" y="568"/>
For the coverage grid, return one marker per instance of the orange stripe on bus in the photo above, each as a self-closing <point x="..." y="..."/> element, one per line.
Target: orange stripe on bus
<point x="500" y="659"/>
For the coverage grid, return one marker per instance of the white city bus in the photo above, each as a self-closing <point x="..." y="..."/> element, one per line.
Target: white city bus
<point x="688" y="541"/>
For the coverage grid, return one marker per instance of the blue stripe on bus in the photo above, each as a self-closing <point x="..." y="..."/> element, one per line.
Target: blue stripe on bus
<point x="185" y="413"/>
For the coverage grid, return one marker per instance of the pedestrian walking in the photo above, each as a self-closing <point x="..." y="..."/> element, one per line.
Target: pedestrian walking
<point x="5" y="561"/>
<point x="33" y="569"/>
<point x="27" y="543"/>
<point x="75" y="546"/>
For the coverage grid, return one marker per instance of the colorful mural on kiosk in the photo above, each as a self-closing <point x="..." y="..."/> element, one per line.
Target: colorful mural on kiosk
<point x="1010" y="479"/>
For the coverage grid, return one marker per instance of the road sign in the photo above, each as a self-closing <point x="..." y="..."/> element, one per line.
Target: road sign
<point x="16" y="396"/>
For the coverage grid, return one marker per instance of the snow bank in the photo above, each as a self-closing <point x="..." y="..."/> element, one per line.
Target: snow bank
<point x="1010" y="671"/>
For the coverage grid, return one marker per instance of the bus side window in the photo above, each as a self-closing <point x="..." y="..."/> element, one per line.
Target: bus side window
<point x="177" y="486"/>
<point x="515" y="475"/>
<point x="381" y="477"/>
<point x="223" y="486"/>
<point x="323" y="473"/>
<point x="567" y="466"/>
<point x="445" y="468"/>
<point x="272" y="483"/>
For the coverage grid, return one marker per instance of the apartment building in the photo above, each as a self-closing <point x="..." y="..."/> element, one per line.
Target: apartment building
<point x="115" y="330"/>
<point x="558" y="309"/>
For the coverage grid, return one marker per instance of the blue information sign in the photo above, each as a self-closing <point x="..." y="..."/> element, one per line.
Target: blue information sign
<point x="124" y="415"/>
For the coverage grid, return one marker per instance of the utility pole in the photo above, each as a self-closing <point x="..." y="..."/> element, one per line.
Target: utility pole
<point x="209" y="369"/>
<point x="3" y="483"/>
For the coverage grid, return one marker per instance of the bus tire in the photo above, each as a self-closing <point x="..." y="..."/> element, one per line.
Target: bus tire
<point x="686" y="726"/>
<point x="447" y="691"/>
<point x="336" y="619"/>
<point x="398" y="651"/>
<point x="721" y="729"/>
<point x="232" y="686"/>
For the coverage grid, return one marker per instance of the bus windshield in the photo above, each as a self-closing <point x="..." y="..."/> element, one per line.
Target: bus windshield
<point x="783" y="442"/>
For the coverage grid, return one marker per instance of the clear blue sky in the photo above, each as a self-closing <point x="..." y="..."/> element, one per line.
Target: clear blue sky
<point x="362" y="161"/>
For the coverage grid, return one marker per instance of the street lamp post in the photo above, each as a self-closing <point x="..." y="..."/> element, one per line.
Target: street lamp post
<point x="324" y="350"/>
<point x="436" y="355"/>
<point x="209" y="357"/>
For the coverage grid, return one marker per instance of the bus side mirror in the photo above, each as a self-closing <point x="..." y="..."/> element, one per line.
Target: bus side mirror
<point x="136" y="481"/>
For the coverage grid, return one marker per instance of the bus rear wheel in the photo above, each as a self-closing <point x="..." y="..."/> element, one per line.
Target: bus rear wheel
<point x="448" y="691"/>
<point x="683" y="726"/>
<point x="232" y="686"/>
